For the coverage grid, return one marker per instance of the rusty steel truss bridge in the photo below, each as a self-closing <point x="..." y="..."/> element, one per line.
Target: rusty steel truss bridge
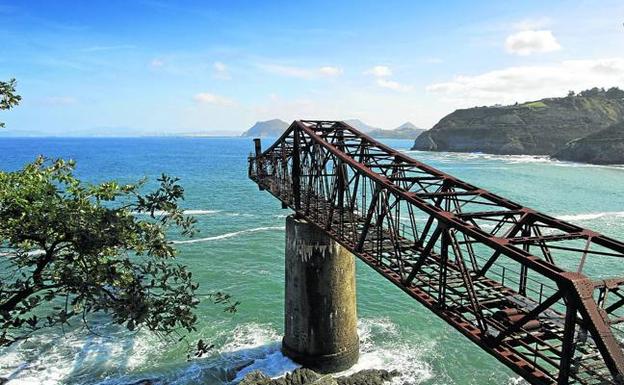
<point x="543" y="296"/>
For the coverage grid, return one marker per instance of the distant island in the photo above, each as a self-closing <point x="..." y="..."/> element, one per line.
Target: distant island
<point x="404" y="131"/>
<point x="275" y="127"/>
<point x="575" y="127"/>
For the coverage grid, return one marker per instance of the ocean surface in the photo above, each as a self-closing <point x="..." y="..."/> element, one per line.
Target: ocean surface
<point x="240" y="250"/>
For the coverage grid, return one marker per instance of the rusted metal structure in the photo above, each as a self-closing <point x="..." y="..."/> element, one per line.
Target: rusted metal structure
<point x="541" y="295"/>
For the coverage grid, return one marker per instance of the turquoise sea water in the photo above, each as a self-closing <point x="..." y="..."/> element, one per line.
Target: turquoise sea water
<point x="240" y="250"/>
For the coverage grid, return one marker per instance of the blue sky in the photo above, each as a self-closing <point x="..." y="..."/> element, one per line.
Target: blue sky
<point x="153" y="66"/>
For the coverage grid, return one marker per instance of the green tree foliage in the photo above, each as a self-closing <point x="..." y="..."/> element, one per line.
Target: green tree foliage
<point x="69" y="248"/>
<point x="8" y="97"/>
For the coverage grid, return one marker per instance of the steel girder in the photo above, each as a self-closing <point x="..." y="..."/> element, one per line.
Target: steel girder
<point x="540" y="294"/>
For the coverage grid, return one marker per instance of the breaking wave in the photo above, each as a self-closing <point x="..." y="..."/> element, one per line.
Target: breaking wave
<point x="230" y="235"/>
<point x="187" y="212"/>
<point x="591" y="216"/>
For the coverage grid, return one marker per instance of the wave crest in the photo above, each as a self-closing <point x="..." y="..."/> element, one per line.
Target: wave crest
<point x="229" y="235"/>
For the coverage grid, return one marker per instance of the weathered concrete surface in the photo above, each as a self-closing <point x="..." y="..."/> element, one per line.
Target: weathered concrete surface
<point x="320" y="326"/>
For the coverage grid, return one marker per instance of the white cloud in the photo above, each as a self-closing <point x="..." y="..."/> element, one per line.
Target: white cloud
<point x="157" y="63"/>
<point x="528" y="42"/>
<point x="523" y="83"/>
<point x="210" y="98"/>
<point x="221" y="71"/>
<point x="302" y="73"/>
<point x="379" y="71"/>
<point x="330" y="71"/>
<point x="391" y="84"/>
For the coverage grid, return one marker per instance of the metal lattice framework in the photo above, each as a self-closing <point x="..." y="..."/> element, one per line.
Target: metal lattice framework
<point x="526" y="287"/>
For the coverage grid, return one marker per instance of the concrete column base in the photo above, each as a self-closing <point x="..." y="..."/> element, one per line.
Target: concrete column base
<point x="320" y="320"/>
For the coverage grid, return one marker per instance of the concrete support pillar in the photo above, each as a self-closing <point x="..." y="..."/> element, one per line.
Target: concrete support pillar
<point x="320" y="320"/>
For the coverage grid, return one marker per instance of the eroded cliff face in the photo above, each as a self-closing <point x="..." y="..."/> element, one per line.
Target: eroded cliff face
<point x="535" y="128"/>
<point x="603" y="147"/>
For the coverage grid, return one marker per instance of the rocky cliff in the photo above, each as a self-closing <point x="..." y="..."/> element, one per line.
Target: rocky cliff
<point x="603" y="147"/>
<point x="540" y="127"/>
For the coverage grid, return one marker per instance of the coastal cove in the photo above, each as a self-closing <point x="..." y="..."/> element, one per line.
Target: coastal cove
<point x="240" y="249"/>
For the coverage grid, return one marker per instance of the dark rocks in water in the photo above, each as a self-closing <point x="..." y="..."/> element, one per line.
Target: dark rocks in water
<point x="255" y="378"/>
<point x="300" y="376"/>
<point x="541" y="127"/>
<point x="146" y="381"/>
<point x="603" y="147"/>
<point x="368" y="377"/>
<point x="305" y="376"/>
<point x="230" y="373"/>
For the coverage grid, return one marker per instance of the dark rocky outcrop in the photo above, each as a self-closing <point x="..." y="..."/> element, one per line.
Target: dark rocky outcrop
<point x="541" y="127"/>
<point x="307" y="377"/>
<point x="603" y="147"/>
<point x="368" y="377"/>
<point x="405" y="131"/>
<point x="271" y="128"/>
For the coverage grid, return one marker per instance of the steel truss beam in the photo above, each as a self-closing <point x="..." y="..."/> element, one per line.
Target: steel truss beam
<point x="512" y="280"/>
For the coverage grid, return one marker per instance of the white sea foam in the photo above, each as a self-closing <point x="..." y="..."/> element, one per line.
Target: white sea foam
<point x="187" y="212"/>
<point x="48" y="359"/>
<point x="455" y="156"/>
<point x="201" y="212"/>
<point x="378" y="350"/>
<point x="230" y="235"/>
<point x="446" y="157"/>
<point x="261" y="344"/>
<point x="591" y="216"/>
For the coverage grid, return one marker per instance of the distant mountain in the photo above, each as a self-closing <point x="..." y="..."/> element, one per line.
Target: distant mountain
<point x="541" y="127"/>
<point x="274" y="127"/>
<point x="602" y="147"/>
<point x="360" y="125"/>
<point x="404" y="131"/>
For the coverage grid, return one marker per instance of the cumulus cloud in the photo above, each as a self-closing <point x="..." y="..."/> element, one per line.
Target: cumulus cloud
<point x="213" y="99"/>
<point x="301" y="72"/>
<point x="528" y="42"/>
<point x="391" y="84"/>
<point x="379" y="71"/>
<point x="522" y="83"/>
